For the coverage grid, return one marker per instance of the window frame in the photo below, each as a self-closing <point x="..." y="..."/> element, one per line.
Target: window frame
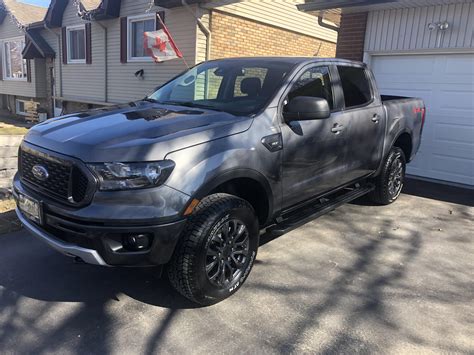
<point x="299" y="72"/>
<point x="343" y="97"/>
<point x="130" y="21"/>
<point x="25" y="103"/>
<point x="70" y="29"/>
<point x="24" y="66"/>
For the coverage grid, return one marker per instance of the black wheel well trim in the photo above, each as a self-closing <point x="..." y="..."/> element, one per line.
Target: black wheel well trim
<point x="229" y="175"/>
<point x="388" y="147"/>
<point x="410" y="134"/>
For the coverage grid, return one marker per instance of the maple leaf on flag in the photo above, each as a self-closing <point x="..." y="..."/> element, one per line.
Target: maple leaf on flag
<point x="160" y="45"/>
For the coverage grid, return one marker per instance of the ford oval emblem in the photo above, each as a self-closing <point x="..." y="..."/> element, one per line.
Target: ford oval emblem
<point x="40" y="172"/>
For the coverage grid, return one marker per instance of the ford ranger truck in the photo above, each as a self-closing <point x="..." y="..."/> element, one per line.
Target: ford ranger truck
<point x="192" y="175"/>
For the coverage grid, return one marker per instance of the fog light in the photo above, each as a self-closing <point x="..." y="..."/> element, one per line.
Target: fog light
<point x="136" y="242"/>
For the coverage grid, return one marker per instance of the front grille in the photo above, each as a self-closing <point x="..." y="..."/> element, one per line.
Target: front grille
<point x="65" y="182"/>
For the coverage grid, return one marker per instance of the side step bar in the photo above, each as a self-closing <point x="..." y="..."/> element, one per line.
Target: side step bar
<point x="306" y="214"/>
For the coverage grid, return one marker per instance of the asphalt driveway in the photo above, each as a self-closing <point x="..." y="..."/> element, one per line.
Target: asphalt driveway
<point x="394" y="279"/>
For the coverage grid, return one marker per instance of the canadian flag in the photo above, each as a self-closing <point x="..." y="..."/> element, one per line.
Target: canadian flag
<point x="161" y="46"/>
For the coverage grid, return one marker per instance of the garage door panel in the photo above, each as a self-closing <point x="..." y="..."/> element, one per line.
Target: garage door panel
<point x="446" y="84"/>
<point x="405" y="65"/>
<point x="460" y="65"/>
<point x="457" y="99"/>
<point x="456" y="167"/>
<point x="451" y="133"/>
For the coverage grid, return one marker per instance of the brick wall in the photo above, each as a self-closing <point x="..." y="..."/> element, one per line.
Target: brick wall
<point x="234" y="36"/>
<point x="350" y="43"/>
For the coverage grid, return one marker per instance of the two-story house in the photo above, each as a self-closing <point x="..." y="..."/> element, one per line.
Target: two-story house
<point x="21" y="80"/>
<point x="98" y="45"/>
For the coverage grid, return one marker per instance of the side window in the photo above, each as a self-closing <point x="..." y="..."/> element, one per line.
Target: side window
<point x="314" y="82"/>
<point x="355" y="85"/>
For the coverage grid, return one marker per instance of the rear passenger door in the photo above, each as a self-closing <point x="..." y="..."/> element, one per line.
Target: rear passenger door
<point x="365" y="121"/>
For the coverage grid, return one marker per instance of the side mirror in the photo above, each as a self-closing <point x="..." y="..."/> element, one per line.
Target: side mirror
<point x="303" y="108"/>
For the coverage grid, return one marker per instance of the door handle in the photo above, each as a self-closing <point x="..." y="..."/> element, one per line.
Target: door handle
<point x="375" y="118"/>
<point x="337" y="128"/>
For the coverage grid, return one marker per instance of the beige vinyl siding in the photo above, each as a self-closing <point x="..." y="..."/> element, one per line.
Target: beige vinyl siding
<point x="201" y="40"/>
<point x="123" y="85"/>
<point x="35" y="88"/>
<point x="39" y="73"/>
<point x="53" y="37"/>
<point x="279" y="13"/>
<point x="407" y="29"/>
<point x="84" y="81"/>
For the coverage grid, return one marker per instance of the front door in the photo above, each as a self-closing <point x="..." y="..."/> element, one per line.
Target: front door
<point x="314" y="151"/>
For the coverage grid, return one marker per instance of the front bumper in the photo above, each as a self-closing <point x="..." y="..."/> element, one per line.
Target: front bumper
<point x="98" y="240"/>
<point x="89" y="256"/>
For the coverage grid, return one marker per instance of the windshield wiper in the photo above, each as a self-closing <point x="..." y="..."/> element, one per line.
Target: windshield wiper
<point x="190" y="104"/>
<point x="149" y="99"/>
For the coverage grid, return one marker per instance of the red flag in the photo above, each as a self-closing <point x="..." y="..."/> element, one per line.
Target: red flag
<point x="161" y="46"/>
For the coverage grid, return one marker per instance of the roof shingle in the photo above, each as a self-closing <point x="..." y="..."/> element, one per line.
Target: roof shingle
<point x="25" y="13"/>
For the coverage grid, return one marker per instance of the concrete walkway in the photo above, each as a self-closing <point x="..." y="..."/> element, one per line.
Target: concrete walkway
<point x="363" y="279"/>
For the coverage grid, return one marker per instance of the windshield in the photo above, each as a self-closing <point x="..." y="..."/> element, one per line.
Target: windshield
<point x="240" y="87"/>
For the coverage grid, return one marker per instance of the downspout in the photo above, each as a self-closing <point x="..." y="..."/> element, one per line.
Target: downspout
<point x="202" y="27"/>
<point x="324" y="24"/>
<point x="59" y="61"/>
<point x="106" y="64"/>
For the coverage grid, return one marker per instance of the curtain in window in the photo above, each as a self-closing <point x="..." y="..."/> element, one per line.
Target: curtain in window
<point x="138" y="29"/>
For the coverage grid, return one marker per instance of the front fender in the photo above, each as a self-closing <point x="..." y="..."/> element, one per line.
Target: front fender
<point x="202" y="168"/>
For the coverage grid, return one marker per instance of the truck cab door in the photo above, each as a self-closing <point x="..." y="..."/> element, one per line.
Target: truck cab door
<point x="365" y="119"/>
<point x="314" y="151"/>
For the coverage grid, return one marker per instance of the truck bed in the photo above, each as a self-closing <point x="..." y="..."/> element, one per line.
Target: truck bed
<point x="404" y="115"/>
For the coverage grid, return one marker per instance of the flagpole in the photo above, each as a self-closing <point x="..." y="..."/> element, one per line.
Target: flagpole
<point x="164" y="26"/>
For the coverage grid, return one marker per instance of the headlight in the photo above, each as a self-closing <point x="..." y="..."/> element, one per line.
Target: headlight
<point x="127" y="176"/>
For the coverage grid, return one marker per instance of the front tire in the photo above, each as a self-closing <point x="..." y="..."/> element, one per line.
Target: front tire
<point x="389" y="183"/>
<point x="216" y="251"/>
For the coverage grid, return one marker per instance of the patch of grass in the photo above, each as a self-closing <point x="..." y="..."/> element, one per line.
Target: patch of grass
<point x="9" y="129"/>
<point x="8" y="220"/>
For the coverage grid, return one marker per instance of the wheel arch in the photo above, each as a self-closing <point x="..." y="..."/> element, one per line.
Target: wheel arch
<point x="404" y="141"/>
<point x="244" y="183"/>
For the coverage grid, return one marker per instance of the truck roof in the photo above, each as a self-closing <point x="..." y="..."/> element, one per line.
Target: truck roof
<point x="292" y="60"/>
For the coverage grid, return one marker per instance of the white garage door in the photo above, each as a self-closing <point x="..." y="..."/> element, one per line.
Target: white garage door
<point x="446" y="83"/>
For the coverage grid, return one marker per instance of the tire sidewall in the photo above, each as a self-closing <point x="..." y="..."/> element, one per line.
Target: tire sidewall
<point x="396" y="153"/>
<point x="209" y="292"/>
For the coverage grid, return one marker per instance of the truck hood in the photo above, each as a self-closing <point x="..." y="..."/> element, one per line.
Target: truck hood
<point x="138" y="131"/>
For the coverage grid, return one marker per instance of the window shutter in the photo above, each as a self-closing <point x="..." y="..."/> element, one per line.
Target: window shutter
<point x="123" y="40"/>
<point x="28" y="70"/>
<point x="1" y="62"/>
<point x="64" y="44"/>
<point x="159" y="26"/>
<point x="88" y="43"/>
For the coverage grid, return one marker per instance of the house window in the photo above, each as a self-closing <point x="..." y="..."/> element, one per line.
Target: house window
<point x="137" y="25"/>
<point x="76" y="44"/>
<point x="14" y="66"/>
<point x="23" y="106"/>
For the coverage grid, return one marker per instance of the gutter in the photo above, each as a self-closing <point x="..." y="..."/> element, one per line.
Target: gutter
<point x="106" y="64"/>
<point x="324" y="24"/>
<point x="202" y="27"/>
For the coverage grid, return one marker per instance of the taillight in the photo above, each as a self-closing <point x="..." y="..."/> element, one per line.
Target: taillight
<point x="423" y="115"/>
<point x="421" y="110"/>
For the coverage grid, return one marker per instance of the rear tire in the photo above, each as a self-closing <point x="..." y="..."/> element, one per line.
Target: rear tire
<point x="389" y="183"/>
<point x="216" y="251"/>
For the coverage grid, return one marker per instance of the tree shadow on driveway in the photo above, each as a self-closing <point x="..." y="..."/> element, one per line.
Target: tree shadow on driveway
<point x="361" y="279"/>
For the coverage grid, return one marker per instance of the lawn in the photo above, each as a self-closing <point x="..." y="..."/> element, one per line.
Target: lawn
<point x="9" y="129"/>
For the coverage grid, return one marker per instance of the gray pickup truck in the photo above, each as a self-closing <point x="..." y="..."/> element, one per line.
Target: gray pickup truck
<point x="193" y="174"/>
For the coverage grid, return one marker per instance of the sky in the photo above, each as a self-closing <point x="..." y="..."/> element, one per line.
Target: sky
<point x="44" y="3"/>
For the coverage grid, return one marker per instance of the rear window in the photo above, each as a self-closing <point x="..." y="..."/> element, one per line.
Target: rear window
<point x="355" y="85"/>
